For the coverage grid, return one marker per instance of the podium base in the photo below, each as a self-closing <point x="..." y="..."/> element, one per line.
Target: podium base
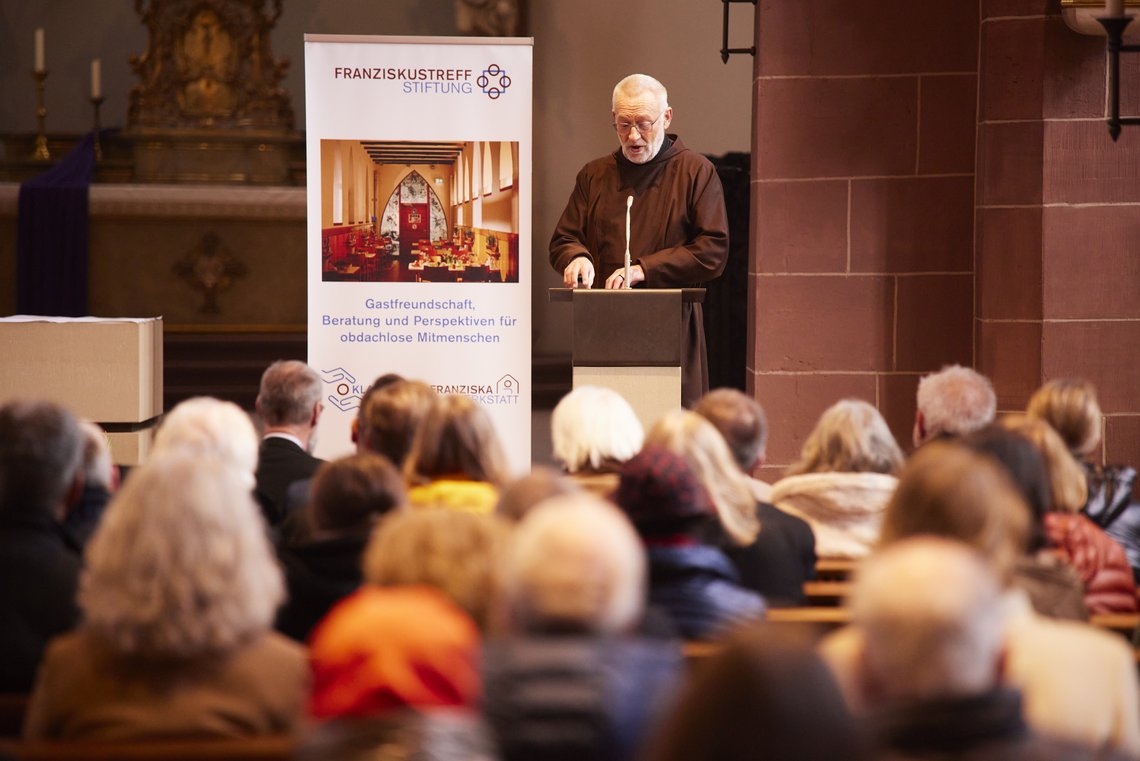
<point x="651" y="391"/>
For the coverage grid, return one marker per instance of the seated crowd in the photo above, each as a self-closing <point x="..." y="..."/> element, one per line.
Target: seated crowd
<point x="416" y="599"/>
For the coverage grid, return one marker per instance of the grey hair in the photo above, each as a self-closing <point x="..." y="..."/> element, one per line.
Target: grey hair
<point x="209" y="426"/>
<point x="850" y="437"/>
<point x="932" y="618"/>
<point x="636" y="84"/>
<point x="180" y="565"/>
<point x="575" y="563"/>
<point x="955" y="401"/>
<point x="289" y="390"/>
<point x="592" y="425"/>
<point x="41" y="450"/>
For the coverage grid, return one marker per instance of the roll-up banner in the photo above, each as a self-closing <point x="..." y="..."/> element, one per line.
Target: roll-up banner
<point x="419" y="197"/>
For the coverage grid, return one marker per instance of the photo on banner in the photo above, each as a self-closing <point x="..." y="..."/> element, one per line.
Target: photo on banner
<point x="419" y="235"/>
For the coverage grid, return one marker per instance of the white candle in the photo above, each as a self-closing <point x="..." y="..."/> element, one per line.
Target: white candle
<point x="40" y="49"/>
<point x="1114" y="8"/>
<point x="96" y="78"/>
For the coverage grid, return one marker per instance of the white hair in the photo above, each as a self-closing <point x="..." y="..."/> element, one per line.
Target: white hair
<point x="636" y="84"/>
<point x="591" y="425"/>
<point x="98" y="469"/>
<point x="956" y="401"/>
<point x="931" y="614"/>
<point x="575" y="563"/>
<point x="180" y="565"/>
<point x="205" y="425"/>
<point x="288" y="392"/>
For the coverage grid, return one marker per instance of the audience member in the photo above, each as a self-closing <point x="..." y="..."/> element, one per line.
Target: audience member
<point x="1078" y="683"/>
<point x="697" y="442"/>
<point x="100" y="479"/>
<point x="953" y="402"/>
<point x="207" y="426"/>
<point x="349" y="496"/>
<point x="764" y="696"/>
<point x="1098" y="559"/>
<point x="456" y="553"/>
<point x="289" y="404"/>
<point x="783" y="556"/>
<point x="574" y="681"/>
<point x="527" y="491"/>
<point x="389" y="415"/>
<point x="594" y="431"/>
<point x="178" y="596"/>
<point x="1053" y="587"/>
<point x="456" y="461"/>
<point x="1070" y="406"/>
<point x="41" y="455"/>
<point x="843" y="479"/>
<point x="382" y="650"/>
<point x="933" y="622"/>
<point x="692" y="581"/>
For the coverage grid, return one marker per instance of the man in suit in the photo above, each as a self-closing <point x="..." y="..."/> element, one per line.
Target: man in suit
<point x="289" y="404"/>
<point x="41" y="477"/>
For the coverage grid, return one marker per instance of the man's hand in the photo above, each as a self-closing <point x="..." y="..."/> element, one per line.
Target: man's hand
<point x="617" y="280"/>
<point x="579" y="266"/>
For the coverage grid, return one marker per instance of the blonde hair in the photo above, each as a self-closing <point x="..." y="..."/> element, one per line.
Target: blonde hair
<point x="209" y="426"/>
<point x="457" y="553"/>
<point x="1066" y="476"/>
<point x="700" y="443"/>
<point x="180" y="565"/>
<point x="456" y="438"/>
<point x="592" y="426"/>
<point x="949" y="491"/>
<point x="1070" y="406"/>
<point x="850" y="437"/>
<point x="575" y="563"/>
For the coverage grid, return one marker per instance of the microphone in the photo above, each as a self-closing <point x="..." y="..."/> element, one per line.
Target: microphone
<point x="628" y="206"/>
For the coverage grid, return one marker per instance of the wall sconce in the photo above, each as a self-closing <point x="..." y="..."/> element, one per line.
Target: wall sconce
<point x="725" y="50"/>
<point x="1110" y="19"/>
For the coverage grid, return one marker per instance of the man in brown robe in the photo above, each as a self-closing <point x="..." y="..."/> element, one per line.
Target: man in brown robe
<point x="678" y="226"/>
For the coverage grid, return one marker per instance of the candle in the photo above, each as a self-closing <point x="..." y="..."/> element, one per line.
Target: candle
<point x="40" y="49"/>
<point x="96" y="79"/>
<point x="1114" y="8"/>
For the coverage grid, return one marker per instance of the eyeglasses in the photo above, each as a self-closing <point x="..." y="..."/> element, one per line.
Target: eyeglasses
<point x="644" y="126"/>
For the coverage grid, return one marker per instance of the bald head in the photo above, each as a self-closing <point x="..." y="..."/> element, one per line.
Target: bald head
<point x="930" y="611"/>
<point x="638" y="85"/>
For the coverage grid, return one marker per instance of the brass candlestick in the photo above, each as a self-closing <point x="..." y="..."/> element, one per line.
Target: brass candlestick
<point x="41" y="152"/>
<point x="97" y="102"/>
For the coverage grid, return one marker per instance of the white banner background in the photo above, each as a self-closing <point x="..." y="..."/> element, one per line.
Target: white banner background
<point x="384" y="99"/>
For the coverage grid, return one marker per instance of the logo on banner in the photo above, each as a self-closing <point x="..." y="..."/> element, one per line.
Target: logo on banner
<point x="503" y="392"/>
<point x="494" y="81"/>
<point x="344" y="392"/>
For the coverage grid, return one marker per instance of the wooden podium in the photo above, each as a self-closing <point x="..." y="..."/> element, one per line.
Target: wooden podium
<point x="630" y="341"/>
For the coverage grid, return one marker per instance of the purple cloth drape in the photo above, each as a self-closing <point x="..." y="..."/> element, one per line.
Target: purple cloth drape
<point x="51" y="248"/>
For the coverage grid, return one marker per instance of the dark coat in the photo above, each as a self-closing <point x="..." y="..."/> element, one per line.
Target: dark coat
<point x="565" y="698"/>
<point x="780" y="560"/>
<point x="986" y="727"/>
<point x="697" y="586"/>
<point x="280" y="462"/>
<point x="318" y="574"/>
<point x="679" y="233"/>
<point x="40" y="570"/>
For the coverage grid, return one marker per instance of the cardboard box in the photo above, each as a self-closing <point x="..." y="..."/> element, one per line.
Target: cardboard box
<point x="108" y="371"/>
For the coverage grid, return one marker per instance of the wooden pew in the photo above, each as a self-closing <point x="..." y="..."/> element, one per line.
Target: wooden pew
<point x="12" y="708"/>
<point x="273" y="748"/>
<point x="835" y="569"/>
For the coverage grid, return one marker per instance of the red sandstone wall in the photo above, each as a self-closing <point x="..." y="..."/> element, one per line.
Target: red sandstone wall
<point x="878" y="255"/>
<point x="863" y="202"/>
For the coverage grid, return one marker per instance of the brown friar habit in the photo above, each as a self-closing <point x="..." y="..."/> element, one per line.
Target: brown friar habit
<point x="678" y="233"/>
